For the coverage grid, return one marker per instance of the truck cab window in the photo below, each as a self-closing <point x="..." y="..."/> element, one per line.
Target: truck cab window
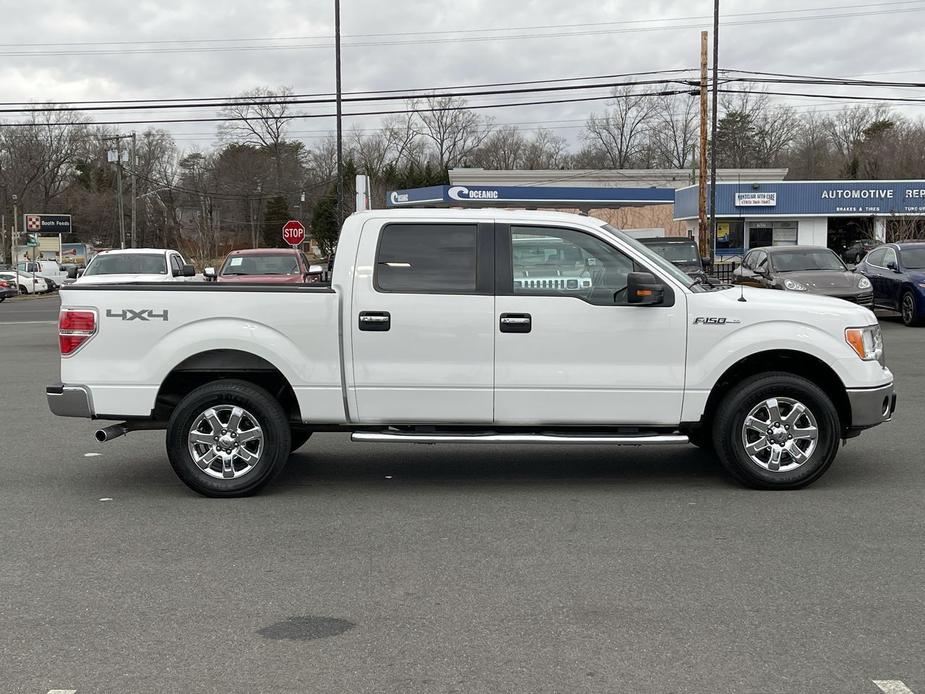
<point x="565" y="262"/>
<point x="427" y="258"/>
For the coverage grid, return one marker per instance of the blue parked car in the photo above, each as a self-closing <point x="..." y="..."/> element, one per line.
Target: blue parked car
<point x="897" y="271"/>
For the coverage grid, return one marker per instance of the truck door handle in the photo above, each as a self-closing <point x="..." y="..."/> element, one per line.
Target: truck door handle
<point x="516" y="322"/>
<point x="375" y="321"/>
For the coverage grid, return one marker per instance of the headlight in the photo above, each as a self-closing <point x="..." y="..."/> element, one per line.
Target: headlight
<point x="866" y="342"/>
<point x="864" y="283"/>
<point x="794" y="286"/>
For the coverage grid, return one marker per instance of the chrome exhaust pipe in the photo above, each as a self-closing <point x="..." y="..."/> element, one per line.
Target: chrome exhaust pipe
<point x="114" y="431"/>
<point x="111" y="432"/>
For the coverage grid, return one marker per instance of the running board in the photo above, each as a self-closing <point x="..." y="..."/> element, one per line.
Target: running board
<point x="626" y="440"/>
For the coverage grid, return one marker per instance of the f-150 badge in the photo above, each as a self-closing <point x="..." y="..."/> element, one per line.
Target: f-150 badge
<point x="715" y="320"/>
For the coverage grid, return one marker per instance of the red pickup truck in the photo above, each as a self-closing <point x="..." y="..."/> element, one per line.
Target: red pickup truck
<point x="267" y="266"/>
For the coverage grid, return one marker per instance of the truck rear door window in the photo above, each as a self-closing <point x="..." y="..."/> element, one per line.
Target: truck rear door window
<point x="427" y="258"/>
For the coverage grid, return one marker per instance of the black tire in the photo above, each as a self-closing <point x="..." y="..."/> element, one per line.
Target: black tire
<point x="22" y="289"/>
<point x="729" y="429"/>
<point x="908" y="309"/>
<point x="261" y="409"/>
<point x="298" y="438"/>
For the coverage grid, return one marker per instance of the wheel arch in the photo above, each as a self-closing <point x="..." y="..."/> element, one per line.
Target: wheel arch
<point x="798" y="363"/>
<point x="217" y="364"/>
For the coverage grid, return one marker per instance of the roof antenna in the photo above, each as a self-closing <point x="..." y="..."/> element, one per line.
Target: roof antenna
<point x="742" y="294"/>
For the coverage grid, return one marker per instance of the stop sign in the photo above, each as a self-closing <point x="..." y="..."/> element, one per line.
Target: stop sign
<point x="293" y="232"/>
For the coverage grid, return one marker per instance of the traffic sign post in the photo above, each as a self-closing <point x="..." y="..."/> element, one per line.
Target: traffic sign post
<point x="294" y="232"/>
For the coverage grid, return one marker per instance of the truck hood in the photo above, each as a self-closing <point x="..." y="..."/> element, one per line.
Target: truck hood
<point x="762" y="305"/>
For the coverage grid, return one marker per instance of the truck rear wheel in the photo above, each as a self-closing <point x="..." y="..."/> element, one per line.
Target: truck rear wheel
<point x="228" y="438"/>
<point x="776" y="431"/>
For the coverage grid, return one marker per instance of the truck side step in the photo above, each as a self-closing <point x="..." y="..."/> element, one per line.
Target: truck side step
<point x="482" y="437"/>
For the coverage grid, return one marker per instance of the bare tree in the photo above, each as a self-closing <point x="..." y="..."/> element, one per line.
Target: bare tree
<point x="259" y="117"/>
<point x="503" y="149"/>
<point x="675" y="132"/>
<point x="545" y="150"/>
<point x="453" y="131"/>
<point x="621" y="133"/>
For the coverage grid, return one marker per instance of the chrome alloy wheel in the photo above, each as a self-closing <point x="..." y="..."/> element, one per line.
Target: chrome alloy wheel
<point x="780" y="434"/>
<point x="226" y="442"/>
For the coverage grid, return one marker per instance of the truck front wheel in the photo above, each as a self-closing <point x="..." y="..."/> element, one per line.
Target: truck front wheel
<point x="776" y="431"/>
<point x="228" y="438"/>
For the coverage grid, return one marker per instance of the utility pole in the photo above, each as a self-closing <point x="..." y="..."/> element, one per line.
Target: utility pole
<point x="119" y="195"/>
<point x="703" y="235"/>
<point x="118" y="160"/>
<point x="15" y="234"/>
<point x="340" y="132"/>
<point x="713" y="125"/>
<point x="134" y="191"/>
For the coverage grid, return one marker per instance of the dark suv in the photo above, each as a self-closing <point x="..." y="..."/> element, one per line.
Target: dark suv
<point x="680" y="250"/>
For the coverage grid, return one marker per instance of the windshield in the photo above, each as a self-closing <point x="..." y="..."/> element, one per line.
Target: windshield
<point x="281" y="264"/>
<point x="799" y="261"/>
<point x="676" y="252"/>
<point x="914" y="258"/>
<point x="657" y="260"/>
<point x="127" y="264"/>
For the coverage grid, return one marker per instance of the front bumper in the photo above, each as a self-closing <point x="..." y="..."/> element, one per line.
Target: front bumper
<point x="871" y="406"/>
<point x="69" y="401"/>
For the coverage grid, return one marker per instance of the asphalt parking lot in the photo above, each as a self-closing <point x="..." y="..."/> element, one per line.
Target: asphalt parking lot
<point x="371" y="568"/>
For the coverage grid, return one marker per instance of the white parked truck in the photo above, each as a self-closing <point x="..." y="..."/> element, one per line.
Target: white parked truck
<point x="479" y="326"/>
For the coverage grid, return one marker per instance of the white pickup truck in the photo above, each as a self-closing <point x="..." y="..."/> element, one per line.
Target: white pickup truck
<point x="480" y="326"/>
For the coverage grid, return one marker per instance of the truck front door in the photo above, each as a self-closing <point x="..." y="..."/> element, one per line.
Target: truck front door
<point x="421" y="323"/>
<point x="569" y="349"/>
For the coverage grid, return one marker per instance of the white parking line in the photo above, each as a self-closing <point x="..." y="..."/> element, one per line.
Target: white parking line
<point x="893" y="687"/>
<point x="62" y="691"/>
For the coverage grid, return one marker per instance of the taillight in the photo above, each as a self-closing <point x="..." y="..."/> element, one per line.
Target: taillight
<point x="75" y="326"/>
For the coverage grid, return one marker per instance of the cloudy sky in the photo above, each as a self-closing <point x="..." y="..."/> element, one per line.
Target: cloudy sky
<point x="68" y="50"/>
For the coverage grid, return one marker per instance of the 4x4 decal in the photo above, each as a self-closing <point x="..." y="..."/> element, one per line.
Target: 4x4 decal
<point x="144" y="314"/>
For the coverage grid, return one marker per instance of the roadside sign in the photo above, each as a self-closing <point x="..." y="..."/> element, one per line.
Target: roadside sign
<point x="32" y="240"/>
<point x="294" y="232"/>
<point x="54" y="223"/>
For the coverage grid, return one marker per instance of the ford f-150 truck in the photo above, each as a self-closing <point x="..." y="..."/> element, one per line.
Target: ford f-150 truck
<point x="481" y="326"/>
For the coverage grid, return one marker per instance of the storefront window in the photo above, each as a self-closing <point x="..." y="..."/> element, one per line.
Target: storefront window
<point x="774" y="233"/>
<point x="730" y="237"/>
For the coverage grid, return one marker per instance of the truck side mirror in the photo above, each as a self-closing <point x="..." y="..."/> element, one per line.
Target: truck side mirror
<point x="706" y="261"/>
<point x="209" y="273"/>
<point x="644" y="289"/>
<point x="72" y="273"/>
<point x="81" y="271"/>
<point x="188" y="271"/>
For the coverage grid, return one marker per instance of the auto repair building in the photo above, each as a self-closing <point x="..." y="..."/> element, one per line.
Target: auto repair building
<point x="807" y="213"/>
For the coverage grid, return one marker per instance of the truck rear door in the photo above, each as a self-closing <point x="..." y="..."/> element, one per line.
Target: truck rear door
<point x="422" y="322"/>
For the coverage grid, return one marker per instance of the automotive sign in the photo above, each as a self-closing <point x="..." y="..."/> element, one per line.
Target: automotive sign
<point x="49" y="223"/>
<point x="756" y="199"/>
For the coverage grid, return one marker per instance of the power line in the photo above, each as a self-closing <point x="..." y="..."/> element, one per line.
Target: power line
<point x="465" y="31"/>
<point x="465" y="39"/>
<point x="257" y="101"/>
<point x="298" y="116"/>
<point x="645" y="73"/>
